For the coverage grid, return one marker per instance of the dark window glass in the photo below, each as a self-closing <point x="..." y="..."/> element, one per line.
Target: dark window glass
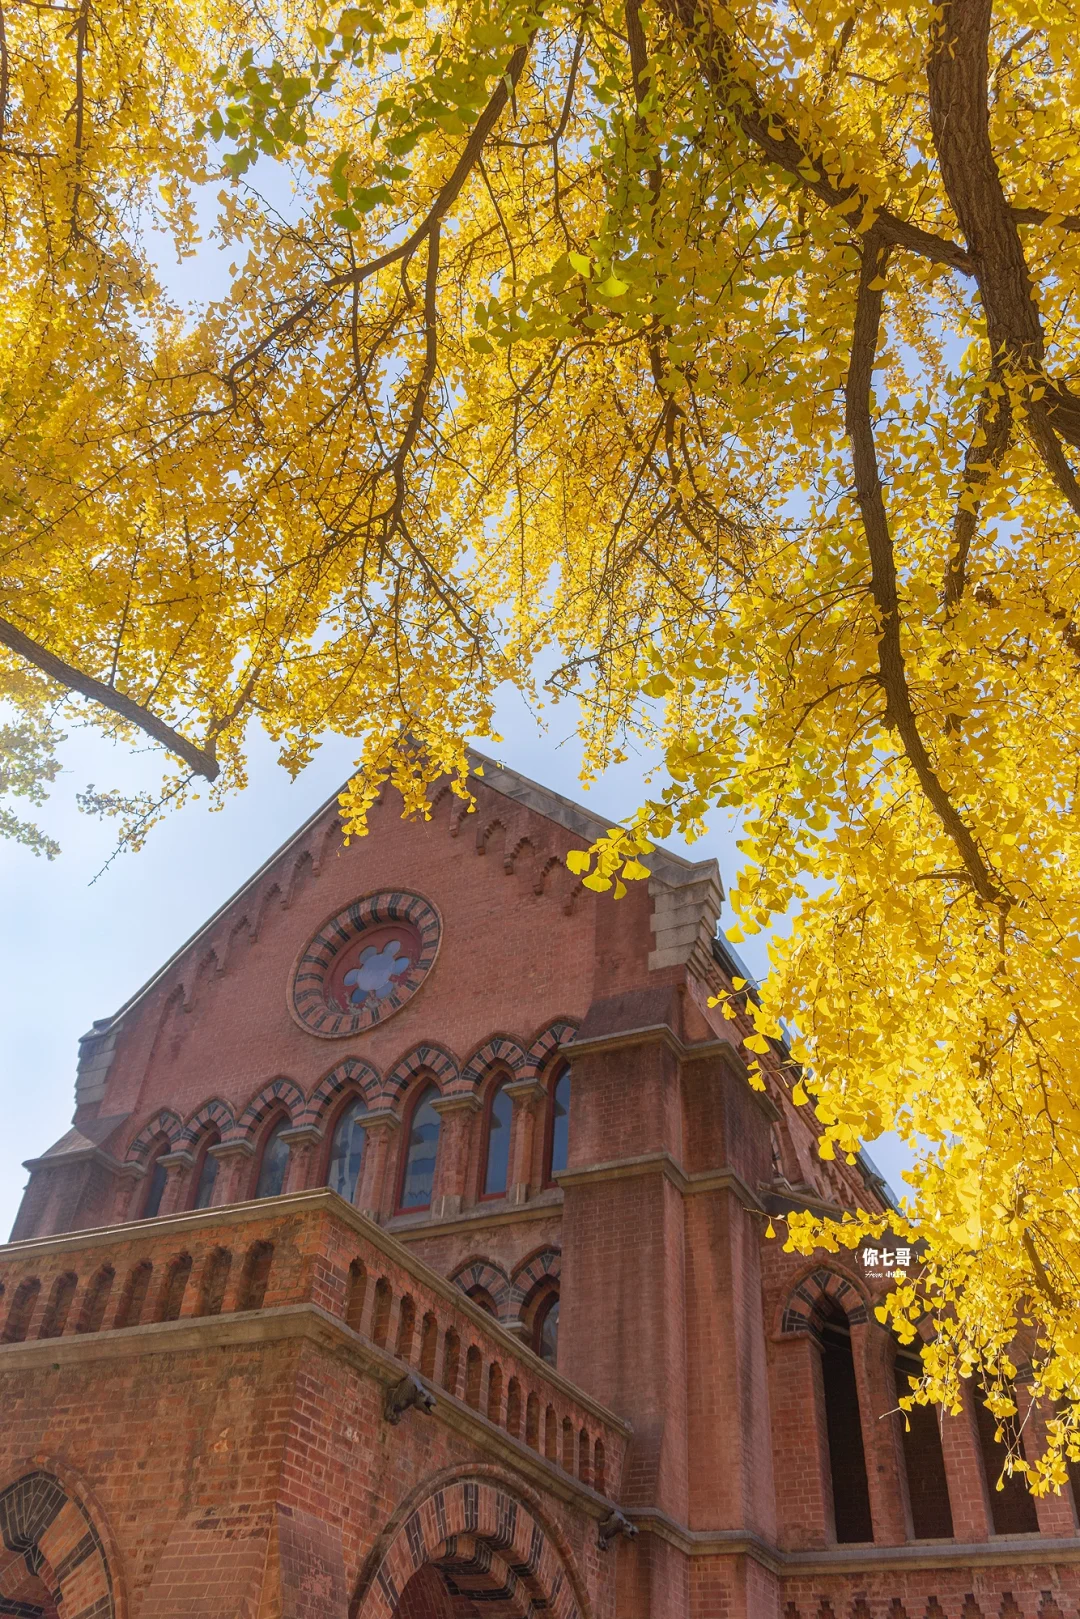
<point x="847" y="1460"/>
<point x="347" y="1152"/>
<point x="423" y="1145"/>
<point x="560" y="1122"/>
<point x="928" y="1487"/>
<point x="158" y="1177"/>
<point x="207" y="1176"/>
<point x="498" y="1144"/>
<point x="1013" y="1506"/>
<point x="546" y="1336"/>
<point x="275" y="1161"/>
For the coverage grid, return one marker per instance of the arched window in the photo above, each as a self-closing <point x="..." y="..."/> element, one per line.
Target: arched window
<point x="497" y="1153"/>
<point x="275" y="1161"/>
<point x="558" y="1124"/>
<point x="347" y="1151"/>
<point x="847" y="1460"/>
<point x="155" y="1191"/>
<point x="418" y="1173"/>
<point x="924" y="1463"/>
<point x="207" y="1176"/>
<point x="545" y="1333"/>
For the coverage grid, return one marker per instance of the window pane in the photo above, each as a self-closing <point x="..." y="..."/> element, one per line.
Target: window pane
<point x="548" y="1338"/>
<point x="498" y="1150"/>
<point x="560" y="1122"/>
<point x="347" y="1153"/>
<point x="275" y="1161"/>
<point x="158" y="1176"/>
<point x="207" y="1177"/>
<point x="423" y="1145"/>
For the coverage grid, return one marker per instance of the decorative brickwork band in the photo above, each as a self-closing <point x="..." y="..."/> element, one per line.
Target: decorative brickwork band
<point x="472" y="1539"/>
<point x="537" y="1057"/>
<point x="432" y="1060"/>
<point x="214" y="1115"/>
<point x="542" y="1269"/>
<point x="280" y="1093"/>
<point x="480" y="1273"/>
<point x="807" y="1304"/>
<point x="166" y="1123"/>
<point x="348" y="1075"/>
<point x="501" y="1050"/>
<point x="332" y="1002"/>
<point x="52" y="1559"/>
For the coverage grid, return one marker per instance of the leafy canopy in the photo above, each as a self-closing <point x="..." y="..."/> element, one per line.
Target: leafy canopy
<point x="716" y="356"/>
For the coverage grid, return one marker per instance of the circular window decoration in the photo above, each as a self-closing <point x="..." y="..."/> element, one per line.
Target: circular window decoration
<point x="364" y="964"/>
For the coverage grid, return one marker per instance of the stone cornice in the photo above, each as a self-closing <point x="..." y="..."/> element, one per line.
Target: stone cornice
<point x="998" y="1550"/>
<point x="662" y="1163"/>
<point x="480" y="1218"/>
<point x="265" y="1210"/>
<point x="310" y="1323"/>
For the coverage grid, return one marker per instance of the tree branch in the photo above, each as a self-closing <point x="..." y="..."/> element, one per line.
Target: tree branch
<point x="771" y="134"/>
<point x="899" y="714"/>
<point x="202" y="762"/>
<point x="993" y="426"/>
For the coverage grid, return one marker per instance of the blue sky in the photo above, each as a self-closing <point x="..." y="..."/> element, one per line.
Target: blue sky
<point x="73" y="948"/>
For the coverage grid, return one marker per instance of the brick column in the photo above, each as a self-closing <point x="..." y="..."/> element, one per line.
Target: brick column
<point x="457" y="1114"/>
<point x="303" y="1144"/>
<point x="231" y="1185"/>
<point x="800" y="1443"/>
<point x="871" y="1353"/>
<point x="129" y="1179"/>
<point x="178" y="1166"/>
<point x="378" y="1172"/>
<point x="964" y="1472"/>
<point x="1055" y="1512"/>
<point x="528" y="1097"/>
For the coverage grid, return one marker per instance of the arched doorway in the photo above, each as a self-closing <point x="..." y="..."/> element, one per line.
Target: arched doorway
<point x="52" y="1562"/>
<point x="469" y="1550"/>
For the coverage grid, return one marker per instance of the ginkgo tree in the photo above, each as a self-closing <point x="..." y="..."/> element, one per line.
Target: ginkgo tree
<point x="715" y="357"/>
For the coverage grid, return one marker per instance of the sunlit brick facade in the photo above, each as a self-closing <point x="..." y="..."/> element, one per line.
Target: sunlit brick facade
<point x="407" y="1259"/>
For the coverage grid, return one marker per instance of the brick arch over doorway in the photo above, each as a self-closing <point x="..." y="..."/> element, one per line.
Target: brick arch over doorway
<point x="470" y="1547"/>
<point x="52" y="1562"/>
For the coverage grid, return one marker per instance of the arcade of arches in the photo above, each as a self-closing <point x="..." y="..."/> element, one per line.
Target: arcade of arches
<point x="406" y="1259"/>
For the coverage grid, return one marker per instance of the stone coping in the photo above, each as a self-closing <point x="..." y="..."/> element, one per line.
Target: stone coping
<point x="310" y="1323"/>
<point x="924" y="1554"/>
<point x="319" y="1199"/>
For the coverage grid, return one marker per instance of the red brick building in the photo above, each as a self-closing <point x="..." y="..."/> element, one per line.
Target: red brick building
<point x="407" y="1260"/>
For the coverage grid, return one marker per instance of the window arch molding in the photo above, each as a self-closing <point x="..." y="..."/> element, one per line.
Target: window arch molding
<point x="495" y="1134"/>
<point x="805" y="1296"/>
<point x="483" y="1275"/>
<point x="342" y="1161"/>
<point x="419" y="1146"/>
<point x="271" y="1156"/>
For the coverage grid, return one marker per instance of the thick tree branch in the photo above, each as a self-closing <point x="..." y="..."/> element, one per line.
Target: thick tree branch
<point x="957" y="78"/>
<point x="899" y="713"/>
<point x="774" y="138"/>
<point x="202" y="762"/>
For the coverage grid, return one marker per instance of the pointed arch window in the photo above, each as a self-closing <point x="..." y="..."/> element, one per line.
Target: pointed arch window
<point x="924" y="1460"/>
<point x="418" y="1171"/>
<point x="208" y="1174"/>
<point x="347" y="1151"/>
<point x="497" y="1149"/>
<point x="558" y="1124"/>
<point x="843" y="1423"/>
<point x="274" y="1163"/>
<point x="155" y="1191"/>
